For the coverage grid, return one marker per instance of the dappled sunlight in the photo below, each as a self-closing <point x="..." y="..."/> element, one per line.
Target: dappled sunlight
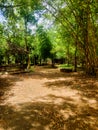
<point x="47" y="116"/>
<point x="6" y="84"/>
<point x="30" y="90"/>
<point x="42" y="101"/>
<point x="48" y="64"/>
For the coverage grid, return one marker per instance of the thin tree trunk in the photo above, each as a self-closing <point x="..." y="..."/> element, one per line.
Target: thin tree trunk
<point x="26" y="44"/>
<point x="75" y="62"/>
<point x="68" y="55"/>
<point x="28" y="63"/>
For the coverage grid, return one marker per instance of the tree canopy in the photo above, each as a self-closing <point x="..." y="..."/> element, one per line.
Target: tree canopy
<point x="70" y="31"/>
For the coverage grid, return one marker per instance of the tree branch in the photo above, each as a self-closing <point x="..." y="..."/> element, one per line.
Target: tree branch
<point x="11" y="6"/>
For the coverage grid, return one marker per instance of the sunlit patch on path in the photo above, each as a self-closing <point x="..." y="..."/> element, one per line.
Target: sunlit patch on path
<point x="50" y="100"/>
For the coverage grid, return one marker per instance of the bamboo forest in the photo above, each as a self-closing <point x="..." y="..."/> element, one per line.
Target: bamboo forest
<point x="48" y="64"/>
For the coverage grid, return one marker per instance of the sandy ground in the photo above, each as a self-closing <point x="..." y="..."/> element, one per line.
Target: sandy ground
<point x="47" y="99"/>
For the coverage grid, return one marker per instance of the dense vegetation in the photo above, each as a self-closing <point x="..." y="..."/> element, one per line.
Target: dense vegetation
<point x="32" y="31"/>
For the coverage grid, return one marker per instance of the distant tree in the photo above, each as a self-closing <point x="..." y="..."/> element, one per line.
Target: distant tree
<point x="45" y="45"/>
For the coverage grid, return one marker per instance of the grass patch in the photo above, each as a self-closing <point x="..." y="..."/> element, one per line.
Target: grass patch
<point x="65" y="66"/>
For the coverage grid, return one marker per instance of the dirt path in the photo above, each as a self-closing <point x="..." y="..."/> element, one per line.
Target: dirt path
<point x="48" y="100"/>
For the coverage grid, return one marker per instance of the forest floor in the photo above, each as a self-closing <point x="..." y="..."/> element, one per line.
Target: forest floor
<point x="48" y="99"/>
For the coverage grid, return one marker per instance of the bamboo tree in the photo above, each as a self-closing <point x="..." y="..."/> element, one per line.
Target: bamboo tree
<point x="86" y="38"/>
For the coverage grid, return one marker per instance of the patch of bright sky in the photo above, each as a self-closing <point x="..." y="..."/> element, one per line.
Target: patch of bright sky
<point x="2" y="19"/>
<point x="41" y="20"/>
<point x="32" y="28"/>
<point x="64" y="5"/>
<point x="45" y="22"/>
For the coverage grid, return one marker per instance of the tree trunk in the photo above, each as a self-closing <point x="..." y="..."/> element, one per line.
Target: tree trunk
<point x="75" y="58"/>
<point x="90" y="52"/>
<point x="68" y="55"/>
<point x="89" y="42"/>
<point x="53" y="62"/>
<point x="75" y="62"/>
<point x="28" y="62"/>
<point x="26" y="44"/>
<point x="28" y="55"/>
<point x="90" y="60"/>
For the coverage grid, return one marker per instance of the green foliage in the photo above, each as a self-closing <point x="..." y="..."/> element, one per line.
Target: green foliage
<point x="45" y="45"/>
<point x="69" y="29"/>
<point x="66" y="66"/>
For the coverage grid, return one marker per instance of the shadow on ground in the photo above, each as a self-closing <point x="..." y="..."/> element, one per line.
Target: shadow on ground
<point x="48" y="116"/>
<point x="69" y="114"/>
<point x="87" y="86"/>
<point x="6" y="83"/>
<point x="43" y="72"/>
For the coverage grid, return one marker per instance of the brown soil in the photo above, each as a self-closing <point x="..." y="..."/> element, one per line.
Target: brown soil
<point x="48" y="99"/>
